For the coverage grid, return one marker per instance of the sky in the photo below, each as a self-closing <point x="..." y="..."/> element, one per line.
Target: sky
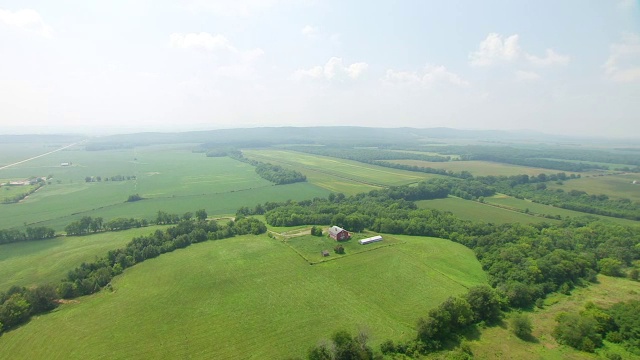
<point x="568" y="67"/>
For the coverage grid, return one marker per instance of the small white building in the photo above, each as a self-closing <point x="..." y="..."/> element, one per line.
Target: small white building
<point x="370" y="240"/>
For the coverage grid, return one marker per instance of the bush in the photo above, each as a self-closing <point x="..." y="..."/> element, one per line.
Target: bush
<point x="521" y="325"/>
<point x="339" y="249"/>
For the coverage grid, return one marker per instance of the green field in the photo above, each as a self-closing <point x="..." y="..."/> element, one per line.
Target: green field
<point x="479" y="168"/>
<point x="535" y="208"/>
<point x="170" y="178"/>
<point x="475" y="211"/>
<point x="39" y="262"/>
<point x="338" y="175"/>
<point x="615" y="186"/>
<point x="249" y="297"/>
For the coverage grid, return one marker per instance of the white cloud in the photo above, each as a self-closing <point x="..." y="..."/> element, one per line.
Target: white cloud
<point x="496" y="49"/>
<point x="235" y="63"/>
<point x="526" y="76"/>
<point x="203" y="41"/>
<point x="26" y="19"/>
<point x="551" y="58"/>
<point x="623" y="64"/>
<point x="431" y="74"/>
<point x="310" y="32"/>
<point x="234" y="8"/>
<point x="333" y="69"/>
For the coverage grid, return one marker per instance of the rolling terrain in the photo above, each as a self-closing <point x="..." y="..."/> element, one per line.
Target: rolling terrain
<point x="249" y="297"/>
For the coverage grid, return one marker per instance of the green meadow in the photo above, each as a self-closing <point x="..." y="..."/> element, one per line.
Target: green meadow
<point x="509" y="202"/>
<point x="48" y="261"/>
<point x="615" y="186"/>
<point x="338" y="175"/>
<point x="476" y="211"/>
<point x="479" y="168"/>
<point x="249" y="297"/>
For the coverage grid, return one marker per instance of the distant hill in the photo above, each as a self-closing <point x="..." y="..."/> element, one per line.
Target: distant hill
<point x="333" y="135"/>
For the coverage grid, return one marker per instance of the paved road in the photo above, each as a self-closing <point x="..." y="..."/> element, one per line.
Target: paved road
<point x="39" y="156"/>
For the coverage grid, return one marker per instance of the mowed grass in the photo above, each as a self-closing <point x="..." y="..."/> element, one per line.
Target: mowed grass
<point x="249" y="297"/>
<point x="475" y="211"/>
<point x="338" y="175"/>
<point x="170" y="178"/>
<point x="500" y="343"/>
<point x="535" y="208"/>
<point x="615" y="186"/>
<point x="479" y="168"/>
<point x="39" y="262"/>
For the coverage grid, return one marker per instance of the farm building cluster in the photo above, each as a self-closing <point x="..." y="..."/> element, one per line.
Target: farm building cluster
<point x="31" y="181"/>
<point x="339" y="234"/>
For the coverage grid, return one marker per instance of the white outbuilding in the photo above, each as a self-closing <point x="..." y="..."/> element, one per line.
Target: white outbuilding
<point x="370" y="240"/>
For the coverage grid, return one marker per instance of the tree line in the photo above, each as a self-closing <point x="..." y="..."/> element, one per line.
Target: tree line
<point x="30" y="233"/>
<point x="18" y="304"/>
<point x="273" y="173"/>
<point x="109" y="178"/>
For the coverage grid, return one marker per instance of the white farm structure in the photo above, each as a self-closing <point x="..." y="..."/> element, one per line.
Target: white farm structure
<point x="370" y="240"/>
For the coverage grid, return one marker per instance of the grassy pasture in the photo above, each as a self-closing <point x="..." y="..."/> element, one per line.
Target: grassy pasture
<point x="249" y="297"/>
<point x="479" y="168"/>
<point x="535" y="208"/>
<point x="615" y="186"/>
<point x="338" y="175"/>
<point x="610" y="166"/>
<point x="500" y="343"/>
<point x="38" y="262"/>
<point x="475" y="211"/>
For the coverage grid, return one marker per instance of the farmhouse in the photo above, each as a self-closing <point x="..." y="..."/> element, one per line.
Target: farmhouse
<point x="370" y="240"/>
<point x="338" y="234"/>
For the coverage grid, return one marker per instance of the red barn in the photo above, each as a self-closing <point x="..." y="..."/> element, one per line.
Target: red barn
<point x="338" y="234"/>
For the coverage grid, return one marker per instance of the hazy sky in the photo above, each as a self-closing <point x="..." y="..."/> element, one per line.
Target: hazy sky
<point x="566" y="66"/>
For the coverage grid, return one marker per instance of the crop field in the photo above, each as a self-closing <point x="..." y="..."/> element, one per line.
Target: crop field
<point x="170" y="178"/>
<point x="14" y="152"/>
<point x="499" y="342"/>
<point x="338" y="175"/>
<point x="40" y="262"/>
<point x="615" y="186"/>
<point x="311" y="247"/>
<point x="610" y="166"/>
<point x="535" y="208"/>
<point x="479" y="168"/>
<point x="249" y="297"/>
<point x="475" y="211"/>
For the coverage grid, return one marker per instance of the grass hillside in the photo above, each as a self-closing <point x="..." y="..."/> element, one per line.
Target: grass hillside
<point x="500" y="343"/>
<point x="38" y="262"/>
<point x="249" y="297"/>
